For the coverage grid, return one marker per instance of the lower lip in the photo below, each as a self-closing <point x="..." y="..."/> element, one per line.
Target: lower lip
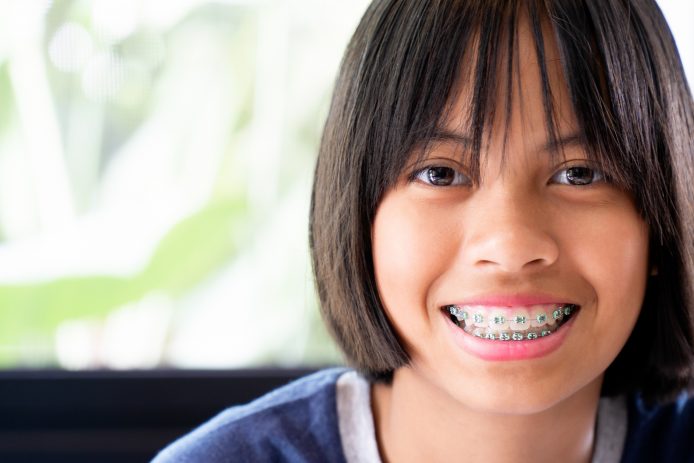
<point x="486" y="349"/>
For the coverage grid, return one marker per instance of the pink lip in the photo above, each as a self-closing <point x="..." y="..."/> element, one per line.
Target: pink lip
<point x="486" y="349"/>
<point x="513" y="300"/>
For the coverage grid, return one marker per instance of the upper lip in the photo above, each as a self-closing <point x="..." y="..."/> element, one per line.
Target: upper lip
<point x="514" y="300"/>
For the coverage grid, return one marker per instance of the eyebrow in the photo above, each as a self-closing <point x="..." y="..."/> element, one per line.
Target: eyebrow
<point x="446" y="135"/>
<point x="572" y="139"/>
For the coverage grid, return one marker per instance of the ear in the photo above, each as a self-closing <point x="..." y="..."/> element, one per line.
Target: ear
<point x="652" y="246"/>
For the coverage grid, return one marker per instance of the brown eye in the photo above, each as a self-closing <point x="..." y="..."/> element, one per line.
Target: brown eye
<point x="441" y="176"/>
<point x="578" y="176"/>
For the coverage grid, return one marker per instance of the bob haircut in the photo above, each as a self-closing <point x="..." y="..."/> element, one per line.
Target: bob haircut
<point x="634" y="111"/>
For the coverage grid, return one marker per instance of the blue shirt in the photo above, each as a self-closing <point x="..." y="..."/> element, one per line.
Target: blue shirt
<point x="299" y="423"/>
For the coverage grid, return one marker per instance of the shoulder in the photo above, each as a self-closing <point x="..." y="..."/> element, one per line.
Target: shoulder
<point x="661" y="432"/>
<point x="297" y="422"/>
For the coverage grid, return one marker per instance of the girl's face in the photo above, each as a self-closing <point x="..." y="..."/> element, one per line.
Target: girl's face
<point x="533" y="234"/>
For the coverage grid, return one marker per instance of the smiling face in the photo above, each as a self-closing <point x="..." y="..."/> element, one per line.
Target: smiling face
<point x="534" y="232"/>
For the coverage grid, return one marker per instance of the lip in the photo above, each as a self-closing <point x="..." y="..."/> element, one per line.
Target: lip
<point x="513" y="300"/>
<point x="508" y="350"/>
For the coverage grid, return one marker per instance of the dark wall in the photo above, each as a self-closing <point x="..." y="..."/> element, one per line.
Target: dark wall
<point x="106" y="416"/>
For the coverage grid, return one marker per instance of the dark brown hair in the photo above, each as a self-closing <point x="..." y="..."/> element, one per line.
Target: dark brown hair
<point x="633" y="107"/>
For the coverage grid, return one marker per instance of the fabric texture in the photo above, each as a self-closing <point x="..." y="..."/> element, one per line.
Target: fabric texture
<point x="611" y="430"/>
<point x="355" y="419"/>
<point x="664" y="433"/>
<point x="295" y="423"/>
<point x="359" y="444"/>
<point x="326" y="417"/>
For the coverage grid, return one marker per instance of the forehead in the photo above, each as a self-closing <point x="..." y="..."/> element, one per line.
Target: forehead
<point x="518" y="95"/>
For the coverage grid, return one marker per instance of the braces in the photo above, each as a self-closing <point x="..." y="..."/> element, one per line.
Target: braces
<point x="558" y="314"/>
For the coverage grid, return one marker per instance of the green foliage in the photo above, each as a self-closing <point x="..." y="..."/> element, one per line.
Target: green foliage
<point x="192" y="250"/>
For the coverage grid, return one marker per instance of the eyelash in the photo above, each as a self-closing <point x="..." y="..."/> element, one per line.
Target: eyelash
<point x="597" y="177"/>
<point x="423" y="175"/>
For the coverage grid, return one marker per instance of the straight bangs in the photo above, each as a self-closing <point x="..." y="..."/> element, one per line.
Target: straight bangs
<point x="405" y="67"/>
<point x="609" y="55"/>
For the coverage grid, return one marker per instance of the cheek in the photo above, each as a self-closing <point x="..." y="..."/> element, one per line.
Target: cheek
<point x="612" y="253"/>
<point x="410" y="250"/>
<point x="616" y="251"/>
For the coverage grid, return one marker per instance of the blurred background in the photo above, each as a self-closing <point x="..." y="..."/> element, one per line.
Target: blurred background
<point x="155" y="170"/>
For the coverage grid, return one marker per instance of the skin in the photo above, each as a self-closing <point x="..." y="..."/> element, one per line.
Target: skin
<point x="521" y="229"/>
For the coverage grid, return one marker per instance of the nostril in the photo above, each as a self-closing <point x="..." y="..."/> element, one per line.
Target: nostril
<point x="536" y="263"/>
<point x="511" y="248"/>
<point x="515" y="263"/>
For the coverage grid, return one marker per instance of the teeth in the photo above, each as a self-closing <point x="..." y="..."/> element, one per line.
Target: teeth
<point x="497" y="320"/>
<point x="478" y="319"/>
<point x="520" y="320"/>
<point x="551" y="322"/>
<point x="538" y="316"/>
<point x="518" y="325"/>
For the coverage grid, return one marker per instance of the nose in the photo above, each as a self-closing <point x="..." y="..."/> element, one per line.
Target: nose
<point x="509" y="232"/>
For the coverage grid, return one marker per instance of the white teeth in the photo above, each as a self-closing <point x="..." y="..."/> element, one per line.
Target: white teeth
<point x="498" y="320"/>
<point x="479" y="318"/>
<point x="515" y="325"/>
<point x="538" y="316"/>
<point x="519" y="320"/>
<point x="551" y="322"/>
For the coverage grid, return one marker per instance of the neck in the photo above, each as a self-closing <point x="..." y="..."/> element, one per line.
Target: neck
<point x="442" y="429"/>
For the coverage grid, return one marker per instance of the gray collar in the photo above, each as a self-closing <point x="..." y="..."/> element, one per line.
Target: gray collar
<point x="359" y="436"/>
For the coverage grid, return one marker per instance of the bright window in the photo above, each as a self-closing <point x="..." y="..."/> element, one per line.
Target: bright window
<point x="155" y="170"/>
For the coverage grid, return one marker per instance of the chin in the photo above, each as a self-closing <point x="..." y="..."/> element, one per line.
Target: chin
<point x="511" y="406"/>
<point x="518" y="396"/>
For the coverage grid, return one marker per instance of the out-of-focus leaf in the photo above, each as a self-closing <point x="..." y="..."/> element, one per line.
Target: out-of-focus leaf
<point x="195" y="246"/>
<point x="191" y="251"/>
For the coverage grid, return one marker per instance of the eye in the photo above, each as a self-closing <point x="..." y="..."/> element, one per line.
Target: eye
<point x="578" y="176"/>
<point x="441" y="176"/>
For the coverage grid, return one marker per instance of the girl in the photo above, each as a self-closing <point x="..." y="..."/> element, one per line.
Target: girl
<point x="501" y="231"/>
